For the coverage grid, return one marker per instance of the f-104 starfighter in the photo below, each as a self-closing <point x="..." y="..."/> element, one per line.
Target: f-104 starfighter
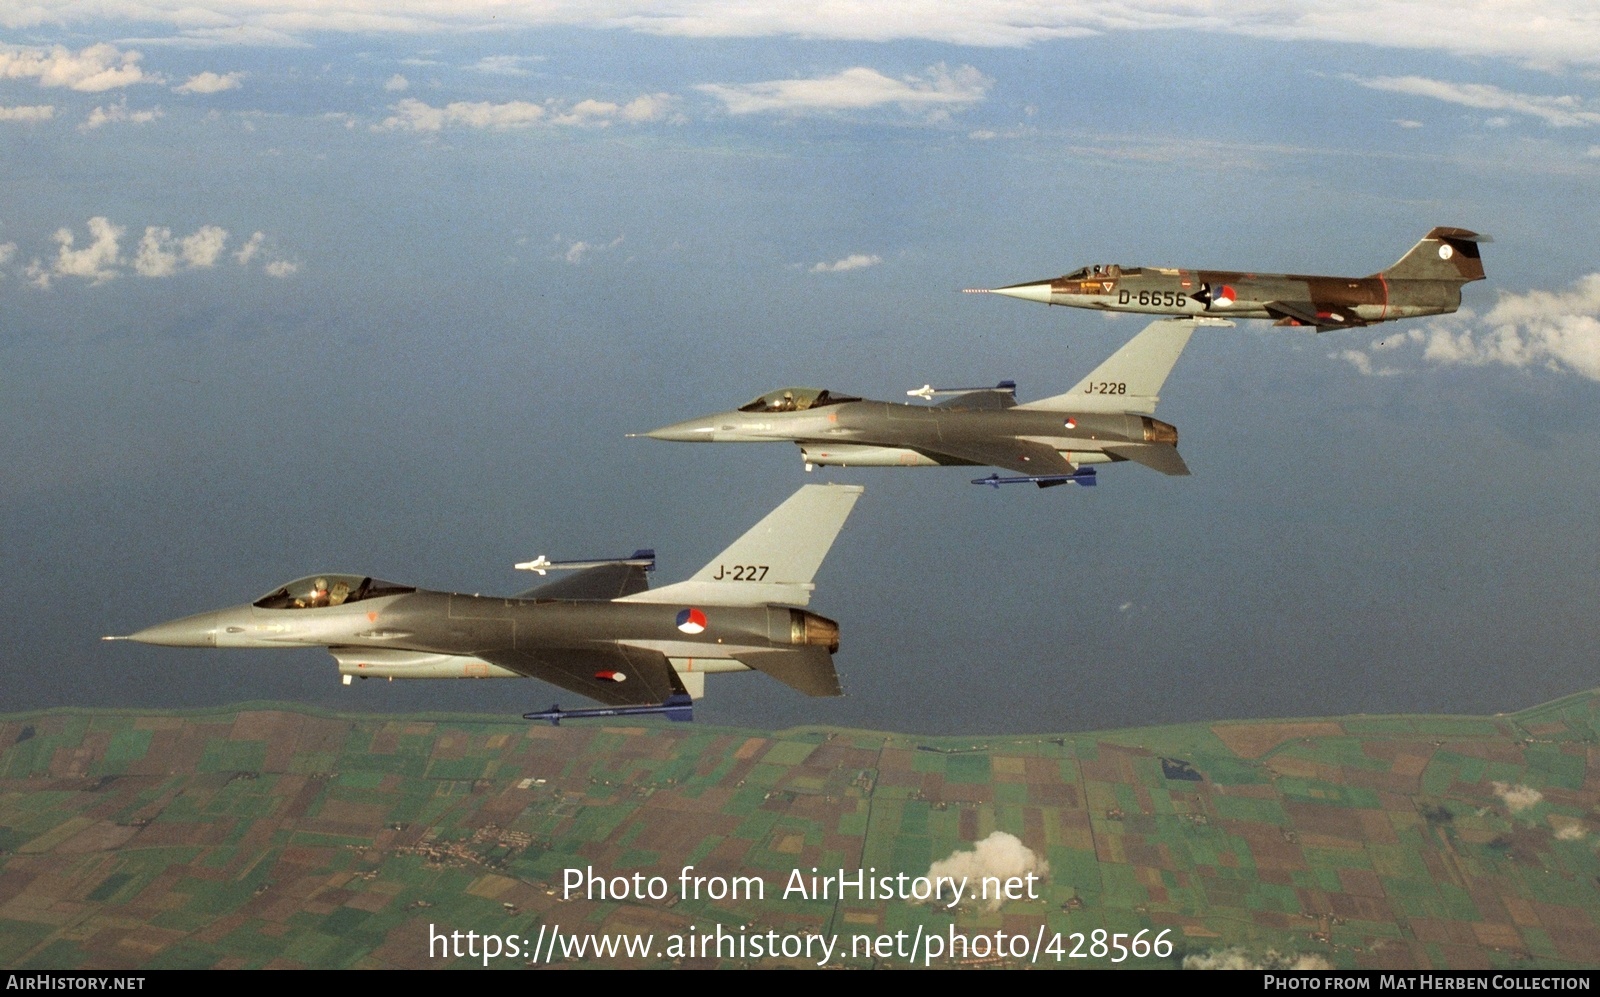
<point x="1426" y="281"/>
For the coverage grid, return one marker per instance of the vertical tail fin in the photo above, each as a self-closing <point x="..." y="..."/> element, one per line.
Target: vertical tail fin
<point x="1131" y="380"/>
<point x="1443" y="254"/>
<point x="775" y="560"/>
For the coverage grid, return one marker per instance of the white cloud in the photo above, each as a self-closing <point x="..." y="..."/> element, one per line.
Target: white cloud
<point x="1517" y="798"/>
<point x="396" y="83"/>
<point x="1557" y="330"/>
<point x="1593" y="152"/>
<point x="1530" y="31"/>
<point x="202" y="249"/>
<point x="1239" y="957"/>
<point x="159" y="255"/>
<point x="96" y="262"/>
<point x="1000" y="854"/>
<point x="28" y="113"/>
<point x="855" y="261"/>
<point x="118" y="113"/>
<point x="506" y="65"/>
<point x="857" y="88"/>
<point x="7" y="251"/>
<point x="1560" y="112"/>
<point x="155" y="258"/>
<point x="248" y="251"/>
<point x="90" y="70"/>
<point x="577" y="252"/>
<point x="209" y="82"/>
<point x="414" y="115"/>
<point x="1407" y="123"/>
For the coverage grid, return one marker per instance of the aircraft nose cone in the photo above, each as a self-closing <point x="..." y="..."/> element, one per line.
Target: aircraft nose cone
<point x="191" y="631"/>
<point x="695" y="430"/>
<point x="1037" y="291"/>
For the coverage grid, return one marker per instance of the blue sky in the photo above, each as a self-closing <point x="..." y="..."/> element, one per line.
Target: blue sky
<point x="287" y="288"/>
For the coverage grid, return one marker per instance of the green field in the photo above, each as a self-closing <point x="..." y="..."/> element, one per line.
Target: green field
<point x="272" y="835"/>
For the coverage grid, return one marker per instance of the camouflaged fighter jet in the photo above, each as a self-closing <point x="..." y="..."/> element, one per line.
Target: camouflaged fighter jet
<point x="602" y="632"/>
<point x="1426" y="281"/>
<point x="1106" y="417"/>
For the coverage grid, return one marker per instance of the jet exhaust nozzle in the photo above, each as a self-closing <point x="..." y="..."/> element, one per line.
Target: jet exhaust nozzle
<point x="808" y="628"/>
<point x="1156" y="431"/>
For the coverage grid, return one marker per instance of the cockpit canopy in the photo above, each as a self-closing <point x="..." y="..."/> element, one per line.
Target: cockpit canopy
<point x="796" y="400"/>
<point x="1101" y="270"/>
<point x="318" y="591"/>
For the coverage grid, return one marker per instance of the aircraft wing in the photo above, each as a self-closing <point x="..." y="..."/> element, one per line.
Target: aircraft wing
<point x="614" y="676"/>
<point x="1305" y="313"/>
<point x="1163" y="457"/>
<point x="1022" y="456"/>
<point x="601" y="583"/>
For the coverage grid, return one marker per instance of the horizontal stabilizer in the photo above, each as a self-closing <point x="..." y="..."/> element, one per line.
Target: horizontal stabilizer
<point x="806" y="669"/>
<point x="1447" y="254"/>
<point x="1162" y="457"/>
<point x="775" y="561"/>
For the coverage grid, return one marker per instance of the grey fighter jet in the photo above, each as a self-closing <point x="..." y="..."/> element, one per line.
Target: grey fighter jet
<point x="1106" y="417"/>
<point x="602" y="632"/>
<point x="1425" y="281"/>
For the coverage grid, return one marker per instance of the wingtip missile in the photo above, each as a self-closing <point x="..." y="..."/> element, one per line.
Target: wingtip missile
<point x="678" y="708"/>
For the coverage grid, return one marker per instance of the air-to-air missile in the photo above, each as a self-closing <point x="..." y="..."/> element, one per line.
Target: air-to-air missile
<point x="601" y="631"/>
<point x="1107" y="417"/>
<point x="1426" y="281"/>
<point x="678" y="707"/>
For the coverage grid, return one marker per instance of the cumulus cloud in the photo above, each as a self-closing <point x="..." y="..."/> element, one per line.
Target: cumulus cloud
<point x="855" y="261"/>
<point x="157" y="254"/>
<point x="1517" y="797"/>
<point x="1408" y="123"/>
<point x="118" y="113"/>
<point x="1000" y="854"/>
<point x="209" y="82"/>
<point x="506" y="65"/>
<point x="857" y="88"/>
<point x="28" y="113"/>
<point x="96" y="262"/>
<point x="1560" y="112"/>
<point x="577" y="252"/>
<point x="90" y="70"/>
<point x="396" y="83"/>
<point x="1239" y="957"/>
<point x="251" y="247"/>
<point x="1556" y="330"/>
<point x="414" y="115"/>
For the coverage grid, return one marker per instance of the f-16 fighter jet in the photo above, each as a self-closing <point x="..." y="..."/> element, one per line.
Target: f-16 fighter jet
<point x="1426" y="281"/>
<point x="1106" y="417"/>
<point x="602" y="632"/>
